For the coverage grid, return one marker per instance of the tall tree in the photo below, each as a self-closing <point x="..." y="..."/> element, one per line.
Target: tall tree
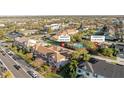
<point x="73" y="67"/>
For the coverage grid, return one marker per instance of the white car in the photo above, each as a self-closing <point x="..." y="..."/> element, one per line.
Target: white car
<point x="32" y="74"/>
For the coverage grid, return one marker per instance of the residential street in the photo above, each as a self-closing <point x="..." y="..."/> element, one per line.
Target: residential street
<point x="119" y="60"/>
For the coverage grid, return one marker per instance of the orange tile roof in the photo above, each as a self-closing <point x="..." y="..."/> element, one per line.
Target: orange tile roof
<point x="59" y="57"/>
<point x="52" y="49"/>
<point x="64" y="32"/>
<point x="43" y="49"/>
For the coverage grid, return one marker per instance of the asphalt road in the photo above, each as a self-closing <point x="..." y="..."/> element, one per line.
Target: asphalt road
<point x="9" y="63"/>
<point x="24" y="65"/>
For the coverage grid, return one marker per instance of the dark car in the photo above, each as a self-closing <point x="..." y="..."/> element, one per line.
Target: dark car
<point x="3" y="53"/>
<point x="17" y="67"/>
<point x="1" y="63"/>
<point x="3" y="69"/>
<point x="31" y="73"/>
<point x="93" y="60"/>
<point x="14" y="57"/>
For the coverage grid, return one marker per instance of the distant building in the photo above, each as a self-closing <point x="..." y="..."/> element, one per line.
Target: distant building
<point x="64" y="32"/>
<point x="31" y="43"/>
<point x="23" y="41"/>
<point x="29" y="32"/>
<point x="53" y="26"/>
<point x="2" y="25"/>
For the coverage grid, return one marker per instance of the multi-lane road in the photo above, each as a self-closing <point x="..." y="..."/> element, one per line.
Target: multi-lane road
<point x="21" y="62"/>
<point x="9" y="62"/>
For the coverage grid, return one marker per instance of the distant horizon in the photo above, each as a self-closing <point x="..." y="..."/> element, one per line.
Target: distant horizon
<point x="45" y="16"/>
<point x="61" y="15"/>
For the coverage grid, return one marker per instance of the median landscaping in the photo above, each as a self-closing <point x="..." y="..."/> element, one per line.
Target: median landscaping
<point x="7" y="74"/>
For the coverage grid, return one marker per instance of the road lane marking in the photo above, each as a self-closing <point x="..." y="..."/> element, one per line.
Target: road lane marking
<point x="20" y="65"/>
<point x="26" y="67"/>
<point x="17" y="63"/>
<point x="90" y="67"/>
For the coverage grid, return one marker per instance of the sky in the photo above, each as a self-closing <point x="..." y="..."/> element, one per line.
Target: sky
<point x="61" y="7"/>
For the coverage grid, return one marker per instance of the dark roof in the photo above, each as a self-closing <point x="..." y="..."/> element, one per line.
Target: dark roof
<point x="108" y="70"/>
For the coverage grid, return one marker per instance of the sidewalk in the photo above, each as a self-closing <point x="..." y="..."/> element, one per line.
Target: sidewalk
<point x="119" y="60"/>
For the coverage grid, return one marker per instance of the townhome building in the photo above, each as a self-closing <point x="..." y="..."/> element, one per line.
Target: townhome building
<point x="23" y="41"/>
<point x="51" y="54"/>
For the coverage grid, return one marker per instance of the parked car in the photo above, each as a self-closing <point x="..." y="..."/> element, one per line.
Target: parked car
<point x="17" y="67"/>
<point x="1" y="63"/>
<point x="14" y="57"/>
<point x="93" y="60"/>
<point x="31" y="73"/>
<point x="7" y="50"/>
<point x="3" y="69"/>
<point x="10" y="53"/>
<point x="3" y="53"/>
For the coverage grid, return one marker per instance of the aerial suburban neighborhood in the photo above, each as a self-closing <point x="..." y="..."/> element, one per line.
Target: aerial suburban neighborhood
<point x="62" y="47"/>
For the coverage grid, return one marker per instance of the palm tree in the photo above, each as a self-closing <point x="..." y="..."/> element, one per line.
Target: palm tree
<point x="85" y="57"/>
<point x="75" y="55"/>
<point x="73" y="67"/>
